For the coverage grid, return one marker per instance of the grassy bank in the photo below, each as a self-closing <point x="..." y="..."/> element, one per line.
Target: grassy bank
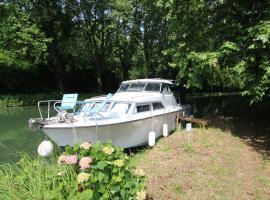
<point x="206" y="164"/>
<point x="210" y="163"/>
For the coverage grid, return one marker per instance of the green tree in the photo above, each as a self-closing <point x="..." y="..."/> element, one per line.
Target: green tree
<point x="22" y="44"/>
<point x="221" y="44"/>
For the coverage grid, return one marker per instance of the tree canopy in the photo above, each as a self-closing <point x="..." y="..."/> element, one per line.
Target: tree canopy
<point x="205" y="45"/>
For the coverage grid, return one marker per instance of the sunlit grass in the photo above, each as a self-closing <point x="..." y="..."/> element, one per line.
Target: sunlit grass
<point x="37" y="179"/>
<point x="204" y="164"/>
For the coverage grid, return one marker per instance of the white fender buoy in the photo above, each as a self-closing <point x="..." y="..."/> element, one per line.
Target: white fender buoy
<point x="152" y="139"/>
<point x="45" y="148"/>
<point x="165" y="130"/>
<point x="188" y="127"/>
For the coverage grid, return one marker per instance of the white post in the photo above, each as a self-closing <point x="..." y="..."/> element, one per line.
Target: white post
<point x="165" y="130"/>
<point x="152" y="138"/>
<point x="188" y="127"/>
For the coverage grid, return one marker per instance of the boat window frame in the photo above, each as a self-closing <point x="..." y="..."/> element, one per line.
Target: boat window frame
<point x="142" y="90"/>
<point x="135" y="111"/>
<point x="160" y="86"/>
<point x="118" y="102"/>
<point x="122" y="85"/>
<point x="168" y="90"/>
<point x="152" y="103"/>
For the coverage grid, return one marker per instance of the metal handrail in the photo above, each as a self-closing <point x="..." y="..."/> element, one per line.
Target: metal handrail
<point x="48" y="106"/>
<point x="53" y="103"/>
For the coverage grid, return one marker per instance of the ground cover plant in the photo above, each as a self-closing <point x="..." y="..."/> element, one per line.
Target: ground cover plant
<point x="100" y="171"/>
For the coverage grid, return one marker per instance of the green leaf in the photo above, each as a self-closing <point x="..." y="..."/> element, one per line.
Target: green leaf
<point x="86" y="194"/>
<point x="101" y="165"/>
<point x="100" y="176"/>
<point x="115" y="188"/>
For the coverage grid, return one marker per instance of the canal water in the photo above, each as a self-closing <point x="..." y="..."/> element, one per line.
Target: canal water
<point x="16" y="137"/>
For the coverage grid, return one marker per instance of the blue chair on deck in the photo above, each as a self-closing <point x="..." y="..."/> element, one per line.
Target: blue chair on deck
<point x="68" y="102"/>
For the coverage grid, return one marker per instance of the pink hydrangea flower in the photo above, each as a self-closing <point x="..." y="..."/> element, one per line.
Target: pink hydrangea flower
<point x="71" y="159"/>
<point x="85" y="162"/>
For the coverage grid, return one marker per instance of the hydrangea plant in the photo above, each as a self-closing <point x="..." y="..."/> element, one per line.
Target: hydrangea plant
<point x="103" y="172"/>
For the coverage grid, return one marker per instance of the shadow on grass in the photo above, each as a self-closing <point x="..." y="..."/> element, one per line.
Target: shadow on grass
<point x="234" y="113"/>
<point x="255" y="133"/>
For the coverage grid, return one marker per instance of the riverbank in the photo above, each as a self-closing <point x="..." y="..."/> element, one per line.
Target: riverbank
<point x="210" y="163"/>
<point x="229" y="160"/>
<point x="32" y="99"/>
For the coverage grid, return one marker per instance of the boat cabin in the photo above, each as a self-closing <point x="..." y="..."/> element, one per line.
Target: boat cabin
<point x="146" y="85"/>
<point x="133" y="97"/>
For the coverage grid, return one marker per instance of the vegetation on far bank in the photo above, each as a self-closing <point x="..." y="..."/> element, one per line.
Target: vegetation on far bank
<point x="32" y="99"/>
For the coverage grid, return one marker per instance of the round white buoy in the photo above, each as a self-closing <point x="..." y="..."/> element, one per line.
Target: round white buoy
<point x="165" y="130"/>
<point x="45" y="148"/>
<point x="152" y="139"/>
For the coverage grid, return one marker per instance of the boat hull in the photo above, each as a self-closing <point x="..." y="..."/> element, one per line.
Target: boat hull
<point x="125" y="134"/>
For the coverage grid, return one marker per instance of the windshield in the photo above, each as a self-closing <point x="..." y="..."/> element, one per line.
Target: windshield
<point x="95" y="106"/>
<point x="153" y="87"/>
<point x="121" y="108"/>
<point x="140" y="86"/>
<point x="124" y="87"/>
<point x="136" y="87"/>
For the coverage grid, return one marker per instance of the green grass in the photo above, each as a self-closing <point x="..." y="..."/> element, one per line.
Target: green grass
<point x="204" y="164"/>
<point x="37" y="179"/>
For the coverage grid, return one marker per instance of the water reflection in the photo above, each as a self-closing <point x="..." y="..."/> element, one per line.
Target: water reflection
<point x="15" y="136"/>
<point x="231" y="106"/>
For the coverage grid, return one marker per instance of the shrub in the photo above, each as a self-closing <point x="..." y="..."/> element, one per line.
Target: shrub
<point x="103" y="172"/>
<point x="83" y="172"/>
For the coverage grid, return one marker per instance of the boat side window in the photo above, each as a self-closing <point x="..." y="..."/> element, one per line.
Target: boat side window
<point x="121" y="108"/>
<point x="153" y="87"/>
<point x="166" y="89"/>
<point x="157" y="105"/>
<point x="143" y="107"/>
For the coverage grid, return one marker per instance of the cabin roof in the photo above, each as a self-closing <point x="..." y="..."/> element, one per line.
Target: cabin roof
<point x="155" y="80"/>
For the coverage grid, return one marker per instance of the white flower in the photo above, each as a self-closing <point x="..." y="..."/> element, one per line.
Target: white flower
<point x="139" y="172"/>
<point x="82" y="177"/>
<point x="141" y="195"/>
<point x="118" y="163"/>
<point x="86" y="145"/>
<point x="108" y="150"/>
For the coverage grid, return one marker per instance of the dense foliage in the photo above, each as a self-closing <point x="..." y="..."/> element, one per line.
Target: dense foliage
<point x="85" y="172"/>
<point x="204" y="45"/>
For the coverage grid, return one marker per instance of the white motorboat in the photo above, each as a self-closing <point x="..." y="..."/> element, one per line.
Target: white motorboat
<point x="126" y="118"/>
